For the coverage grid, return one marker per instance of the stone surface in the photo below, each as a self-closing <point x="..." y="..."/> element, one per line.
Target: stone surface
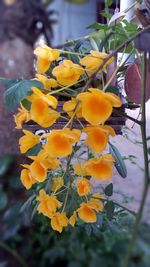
<point x="16" y="61"/>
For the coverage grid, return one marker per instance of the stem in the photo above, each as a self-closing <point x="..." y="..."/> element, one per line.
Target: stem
<point x="119" y="205"/>
<point x="14" y="254"/>
<point x="130" y="7"/>
<point x="65" y="88"/>
<point x="146" y="166"/>
<point x="70" y="53"/>
<point x="127" y="116"/>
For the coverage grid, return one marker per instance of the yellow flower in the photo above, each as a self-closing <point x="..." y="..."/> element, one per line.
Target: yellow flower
<point x="49" y="99"/>
<point x="67" y="73"/>
<point x="48" y="204"/>
<point x="97" y="137"/>
<point x="38" y="171"/>
<point x="22" y="116"/>
<point x="28" y="141"/>
<point x="73" y="219"/>
<point x="96" y="204"/>
<point x="59" y="221"/>
<point x="46" y="55"/>
<point x="69" y="107"/>
<point x="40" y="111"/>
<point x="79" y="169"/>
<point x="59" y="142"/>
<point x="86" y="213"/>
<point x="97" y="106"/>
<point x="48" y="83"/>
<point x="26" y="178"/>
<point x="57" y="183"/>
<point x="94" y="60"/>
<point x="100" y="168"/>
<point x="46" y="160"/>
<point x="83" y="186"/>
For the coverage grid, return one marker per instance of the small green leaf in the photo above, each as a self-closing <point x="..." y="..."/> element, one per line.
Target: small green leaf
<point x="106" y="14"/>
<point x="109" y="2"/>
<point x="113" y="89"/>
<point x="5" y="163"/>
<point x="110" y="208"/>
<point x="34" y="150"/>
<point x="93" y="44"/>
<point x="28" y="203"/>
<point x="109" y="190"/>
<point x="119" y="163"/>
<point x="26" y="104"/>
<point x="18" y="91"/>
<point x="98" y="26"/>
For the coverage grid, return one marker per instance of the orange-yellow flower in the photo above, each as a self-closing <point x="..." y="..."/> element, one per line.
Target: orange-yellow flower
<point x="97" y="137"/>
<point x="26" y="178"/>
<point x="79" y="168"/>
<point x="48" y="83"/>
<point x="28" y="141"/>
<point x="40" y="111"/>
<point x="86" y="213"/>
<point x="67" y="73"/>
<point x="57" y="183"/>
<point x="100" y="168"/>
<point x="59" y="221"/>
<point x="45" y="56"/>
<point x="48" y="204"/>
<point x="97" y="106"/>
<point x="73" y="219"/>
<point x="83" y="186"/>
<point x="96" y="203"/>
<point x="46" y="160"/>
<point x="94" y="60"/>
<point x="21" y="117"/>
<point x="49" y="99"/>
<point x="59" y="142"/>
<point x="38" y="171"/>
<point x="69" y="107"/>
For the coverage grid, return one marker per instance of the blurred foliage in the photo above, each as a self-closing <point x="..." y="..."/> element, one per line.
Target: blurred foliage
<point x="26" y="237"/>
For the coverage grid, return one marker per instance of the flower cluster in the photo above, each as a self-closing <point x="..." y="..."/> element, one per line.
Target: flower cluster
<point x="67" y="158"/>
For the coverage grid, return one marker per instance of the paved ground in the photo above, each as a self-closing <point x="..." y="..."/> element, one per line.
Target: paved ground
<point x="128" y="191"/>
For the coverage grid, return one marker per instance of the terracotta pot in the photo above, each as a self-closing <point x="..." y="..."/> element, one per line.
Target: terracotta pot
<point x="133" y="83"/>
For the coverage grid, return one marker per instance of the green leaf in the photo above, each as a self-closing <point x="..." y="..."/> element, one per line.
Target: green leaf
<point x="109" y="2"/>
<point x="113" y="89"/>
<point x="119" y="163"/>
<point x="28" y="203"/>
<point x="5" y="163"/>
<point x="93" y="44"/>
<point x="18" y="91"/>
<point x="109" y="190"/>
<point x="34" y="150"/>
<point x="3" y="200"/>
<point x="98" y="26"/>
<point x="106" y="14"/>
<point x="26" y="104"/>
<point x="9" y="82"/>
<point x="110" y="208"/>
